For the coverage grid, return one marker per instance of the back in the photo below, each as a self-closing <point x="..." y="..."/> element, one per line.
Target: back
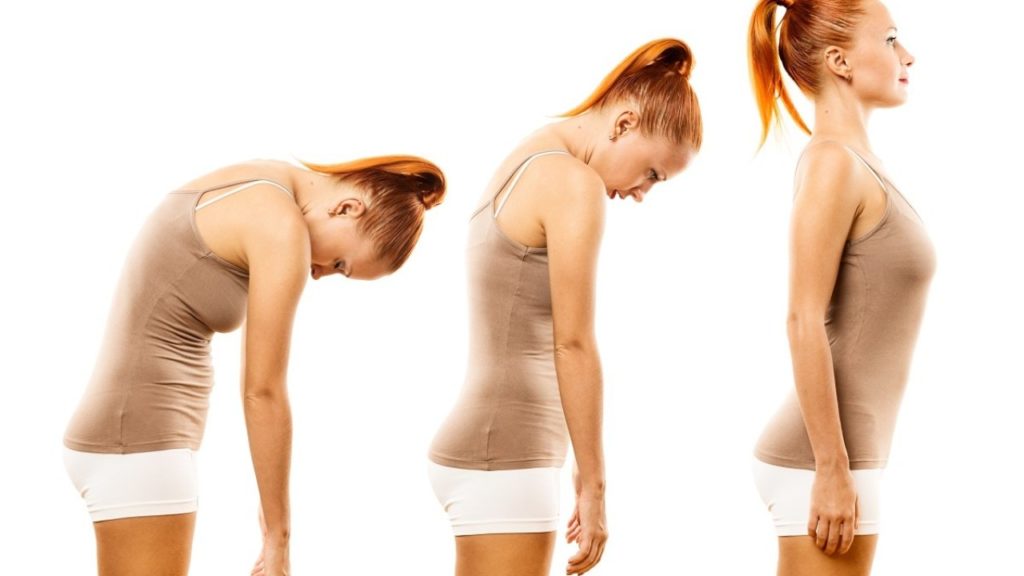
<point x="150" y="387"/>
<point x="509" y="414"/>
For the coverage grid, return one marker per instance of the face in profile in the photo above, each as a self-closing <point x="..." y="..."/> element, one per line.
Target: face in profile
<point x="879" y="62"/>
<point x="338" y="246"/>
<point x="634" y="163"/>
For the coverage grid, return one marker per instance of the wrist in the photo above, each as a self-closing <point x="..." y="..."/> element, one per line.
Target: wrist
<point x="832" y="465"/>
<point x="592" y="487"/>
<point x="279" y="537"/>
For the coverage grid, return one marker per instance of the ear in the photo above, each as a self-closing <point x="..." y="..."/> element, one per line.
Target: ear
<point x="836" y="63"/>
<point x="351" y="207"/>
<point x="626" y="121"/>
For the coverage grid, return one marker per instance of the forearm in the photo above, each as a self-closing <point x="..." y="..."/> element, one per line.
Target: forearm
<point x="269" y="423"/>
<point x="814" y="375"/>
<point x="579" y="382"/>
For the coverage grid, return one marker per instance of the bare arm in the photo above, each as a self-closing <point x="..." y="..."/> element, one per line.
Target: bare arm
<point x="827" y="202"/>
<point x="573" y="224"/>
<point x="278" y="256"/>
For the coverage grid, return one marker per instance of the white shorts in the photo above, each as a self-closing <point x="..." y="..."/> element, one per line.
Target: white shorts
<point x="497" y="501"/>
<point x="787" y="493"/>
<point x="130" y="485"/>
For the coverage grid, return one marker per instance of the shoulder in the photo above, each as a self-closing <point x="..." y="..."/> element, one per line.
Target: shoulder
<point x="830" y="174"/>
<point x="570" y="185"/>
<point x="274" y="219"/>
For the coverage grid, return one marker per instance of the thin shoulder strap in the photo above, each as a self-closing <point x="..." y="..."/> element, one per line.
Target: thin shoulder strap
<point x="241" y="187"/>
<point x="874" y="173"/>
<point x="513" y="179"/>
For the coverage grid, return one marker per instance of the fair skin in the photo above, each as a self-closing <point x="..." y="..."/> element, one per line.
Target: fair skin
<point x="836" y="200"/>
<point x="279" y="240"/>
<point x="558" y="204"/>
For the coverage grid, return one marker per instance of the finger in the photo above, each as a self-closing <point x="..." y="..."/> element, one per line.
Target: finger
<point x="856" y="513"/>
<point x="577" y="559"/>
<point x="591" y="561"/>
<point x="574" y="519"/>
<point x="847" y="540"/>
<point x="600" y="552"/>
<point x="820" y="533"/>
<point x="834" y="532"/>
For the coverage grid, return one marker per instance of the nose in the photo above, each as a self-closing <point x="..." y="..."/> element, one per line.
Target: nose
<point x="908" y="58"/>
<point x="317" y="271"/>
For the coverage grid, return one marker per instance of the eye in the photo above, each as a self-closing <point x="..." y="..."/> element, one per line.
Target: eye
<point x="339" y="265"/>
<point x="891" y="40"/>
<point x="652" y="175"/>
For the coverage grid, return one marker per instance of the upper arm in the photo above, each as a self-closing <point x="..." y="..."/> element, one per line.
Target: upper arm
<point x="825" y="205"/>
<point x="573" y="222"/>
<point x="276" y="244"/>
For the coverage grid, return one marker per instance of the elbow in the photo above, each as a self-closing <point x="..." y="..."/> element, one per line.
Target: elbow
<point x="801" y="324"/>
<point x="569" y="347"/>
<point x="265" y="394"/>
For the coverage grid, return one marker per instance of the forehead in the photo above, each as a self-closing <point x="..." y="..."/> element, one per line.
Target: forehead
<point x="670" y="157"/>
<point x="876" y="17"/>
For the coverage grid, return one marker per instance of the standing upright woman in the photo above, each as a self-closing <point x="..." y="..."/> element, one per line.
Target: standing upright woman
<point x="534" y="377"/>
<point x="860" y="265"/>
<point x="231" y="246"/>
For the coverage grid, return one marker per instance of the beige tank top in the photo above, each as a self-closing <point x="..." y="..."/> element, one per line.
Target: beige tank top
<point x="872" y="325"/>
<point x="509" y="414"/>
<point x="150" y="387"/>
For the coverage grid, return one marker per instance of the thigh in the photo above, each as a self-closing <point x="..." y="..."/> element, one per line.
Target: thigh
<point x="482" y="502"/>
<point x="116" y="486"/>
<point x="786" y="493"/>
<point x="148" y="545"/>
<point x="504" y="554"/>
<point x="798" y="556"/>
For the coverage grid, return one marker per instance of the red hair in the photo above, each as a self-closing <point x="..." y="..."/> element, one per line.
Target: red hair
<point x="805" y="30"/>
<point x="399" y="190"/>
<point x="656" y="78"/>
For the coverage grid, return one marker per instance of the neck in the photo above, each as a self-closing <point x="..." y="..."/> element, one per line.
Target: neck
<point x="310" y="188"/>
<point x="580" y="134"/>
<point x="841" y="118"/>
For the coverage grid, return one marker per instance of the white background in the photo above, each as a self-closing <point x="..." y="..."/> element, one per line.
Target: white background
<point x="106" y="107"/>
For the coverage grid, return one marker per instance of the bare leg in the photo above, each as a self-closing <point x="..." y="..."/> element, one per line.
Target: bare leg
<point x="504" y="554"/>
<point x="145" y="546"/>
<point x="798" y="556"/>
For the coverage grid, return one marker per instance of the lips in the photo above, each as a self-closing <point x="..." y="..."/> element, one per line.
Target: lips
<point x="637" y="195"/>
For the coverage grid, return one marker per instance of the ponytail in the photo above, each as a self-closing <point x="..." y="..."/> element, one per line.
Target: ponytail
<point x="766" y="72"/>
<point x="398" y="189"/>
<point x="655" y="77"/>
<point x="424" y="177"/>
<point x="805" y="30"/>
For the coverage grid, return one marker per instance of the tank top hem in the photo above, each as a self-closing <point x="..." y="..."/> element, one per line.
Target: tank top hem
<point x="870" y="464"/>
<point x="494" y="465"/>
<point x="129" y="449"/>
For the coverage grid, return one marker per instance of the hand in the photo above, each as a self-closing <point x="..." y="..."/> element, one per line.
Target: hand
<point x="273" y="560"/>
<point x="587" y="528"/>
<point x="835" y="510"/>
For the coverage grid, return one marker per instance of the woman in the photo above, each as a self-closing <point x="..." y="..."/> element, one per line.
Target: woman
<point x="860" y="267"/>
<point x="233" y="245"/>
<point x="534" y="379"/>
